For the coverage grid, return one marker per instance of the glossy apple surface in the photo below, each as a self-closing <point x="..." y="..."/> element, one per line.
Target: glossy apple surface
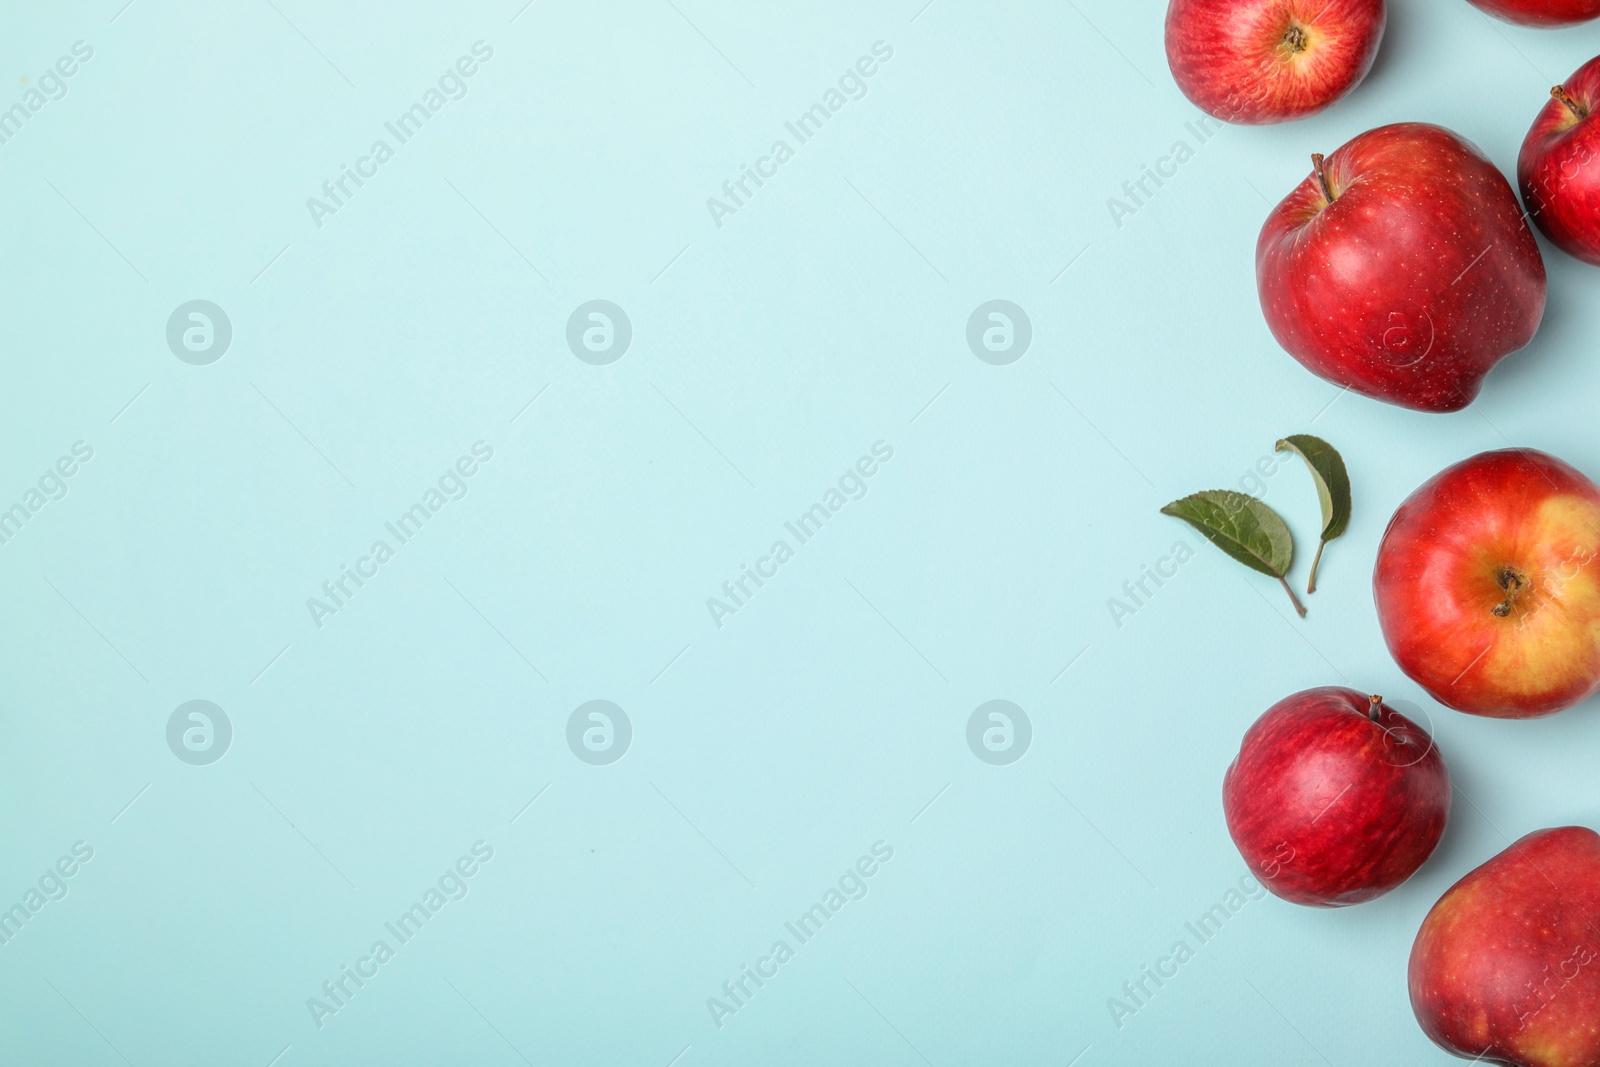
<point x="1558" y="168"/>
<point x="1335" y="798"/>
<point x="1260" y="61"/>
<point x="1542" y="12"/>
<point x="1401" y="267"/>
<point x="1488" y="585"/>
<point x="1506" y="967"/>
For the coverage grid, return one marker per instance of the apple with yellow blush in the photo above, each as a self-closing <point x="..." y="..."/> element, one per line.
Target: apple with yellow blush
<point x="1488" y="585"/>
<point x="1506" y="967"/>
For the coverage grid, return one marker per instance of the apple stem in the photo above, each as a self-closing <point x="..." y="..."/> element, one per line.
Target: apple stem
<point x="1577" y="109"/>
<point x="1322" y="175"/>
<point x="1376" y="702"/>
<point x="1292" y="598"/>
<point x="1311" y="583"/>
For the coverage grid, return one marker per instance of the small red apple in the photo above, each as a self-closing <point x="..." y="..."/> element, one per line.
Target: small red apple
<point x="1488" y="585"/>
<point x="1335" y="798"/>
<point x="1506" y="967"/>
<point x="1401" y="268"/>
<point x="1260" y="61"/>
<point x="1542" y="12"/>
<point x="1559" y="166"/>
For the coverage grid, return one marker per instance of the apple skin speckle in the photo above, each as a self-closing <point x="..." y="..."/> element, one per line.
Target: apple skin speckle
<point x="1335" y="798"/>
<point x="1487" y="585"/>
<point x="1261" y="61"/>
<point x="1558" y="169"/>
<point x="1506" y="966"/>
<point x="1417" y="278"/>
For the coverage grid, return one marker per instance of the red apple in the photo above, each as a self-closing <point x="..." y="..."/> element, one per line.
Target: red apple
<point x="1401" y="268"/>
<point x="1488" y="588"/>
<point x="1542" y="12"/>
<point x="1558" y="167"/>
<point x="1335" y="798"/>
<point x="1259" y="61"/>
<point x="1506" y="967"/>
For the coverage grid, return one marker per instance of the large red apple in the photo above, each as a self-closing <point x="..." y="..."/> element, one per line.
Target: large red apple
<point x="1559" y="166"/>
<point x="1402" y="268"/>
<point x="1506" y="967"/>
<point x="1335" y="798"/>
<point x="1542" y="12"/>
<point x="1259" y="61"/>
<point x="1488" y="585"/>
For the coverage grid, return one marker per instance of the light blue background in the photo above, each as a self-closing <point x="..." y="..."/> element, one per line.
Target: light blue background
<point x="768" y="354"/>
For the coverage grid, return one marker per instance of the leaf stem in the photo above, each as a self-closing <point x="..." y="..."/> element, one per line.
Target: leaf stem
<point x="1311" y="584"/>
<point x="1292" y="598"/>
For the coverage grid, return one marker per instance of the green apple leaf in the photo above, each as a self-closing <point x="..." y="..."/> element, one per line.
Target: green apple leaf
<point x="1333" y="489"/>
<point x="1244" y="528"/>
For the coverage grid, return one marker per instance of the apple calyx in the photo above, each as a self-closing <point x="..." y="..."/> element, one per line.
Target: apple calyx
<point x="1321" y="172"/>
<point x="1578" y="110"/>
<point x="1374" y="703"/>
<point x="1296" y="39"/>
<point x="1512" y="582"/>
